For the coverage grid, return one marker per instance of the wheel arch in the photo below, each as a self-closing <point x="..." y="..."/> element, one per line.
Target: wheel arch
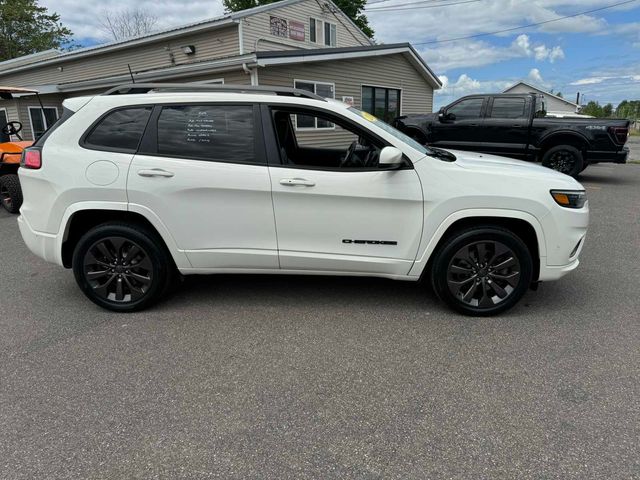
<point x="80" y="220"/>
<point x="563" y="137"/>
<point x="522" y="224"/>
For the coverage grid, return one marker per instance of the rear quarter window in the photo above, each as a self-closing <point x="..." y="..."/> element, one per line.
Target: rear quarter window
<point x="119" y="130"/>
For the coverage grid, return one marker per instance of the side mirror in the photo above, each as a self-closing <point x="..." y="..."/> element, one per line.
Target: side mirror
<point x="390" y="157"/>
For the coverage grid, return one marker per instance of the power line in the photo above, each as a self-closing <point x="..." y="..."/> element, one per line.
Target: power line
<point x="525" y="26"/>
<point x="406" y="6"/>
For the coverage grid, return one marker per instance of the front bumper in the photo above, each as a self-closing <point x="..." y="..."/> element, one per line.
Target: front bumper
<point x="620" y="156"/>
<point x="44" y="245"/>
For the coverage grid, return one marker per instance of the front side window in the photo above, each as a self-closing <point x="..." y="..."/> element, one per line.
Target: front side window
<point x="120" y="130"/>
<point x="508" y="108"/>
<point x="469" y="108"/>
<point x="346" y="147"/>
<point x="42" y="119"/>
<point x="325" y="90"/>
<point x="384" y="103"/>
<point x="216" y="133"/>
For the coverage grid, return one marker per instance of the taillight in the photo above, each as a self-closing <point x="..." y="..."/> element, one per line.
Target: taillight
<point x="31" y="158"/>
<point x="620" y="134"/>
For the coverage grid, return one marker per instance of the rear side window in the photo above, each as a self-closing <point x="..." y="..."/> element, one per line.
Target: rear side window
<point x="217" y="133"/>
<point x="120" y="130"/>
<point x="508" y="108"/>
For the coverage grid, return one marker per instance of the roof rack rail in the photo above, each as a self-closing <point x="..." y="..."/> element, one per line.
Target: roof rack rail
<point x="136" y="88"/>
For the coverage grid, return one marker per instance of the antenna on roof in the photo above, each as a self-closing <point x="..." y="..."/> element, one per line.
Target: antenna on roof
<point x="133" y="80"/>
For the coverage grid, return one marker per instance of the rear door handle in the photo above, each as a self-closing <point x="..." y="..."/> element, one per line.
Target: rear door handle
<point x="292" y="182"/>
<point x="155" y="172"/>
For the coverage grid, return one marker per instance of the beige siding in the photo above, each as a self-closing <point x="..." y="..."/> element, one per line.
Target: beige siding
<point x="23" y="104"/>
<point x="258" y="27"/>
<point x="553" y="104"/>
<point x="391" y="71"/>
<point x="222" y="42"/>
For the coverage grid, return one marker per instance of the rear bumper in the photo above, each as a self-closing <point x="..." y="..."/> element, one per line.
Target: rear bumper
<point x="44" y="245"/>
<point x="608" y="157"/>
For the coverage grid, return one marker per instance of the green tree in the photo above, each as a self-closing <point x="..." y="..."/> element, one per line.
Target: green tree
<point x="607" y="110"/>
<point x="593" y="108"/>
<point x="628" y="109"/>
<point x="26" y="27"/>
<point x="352" y="8"/>
<point x="559" y="94"/>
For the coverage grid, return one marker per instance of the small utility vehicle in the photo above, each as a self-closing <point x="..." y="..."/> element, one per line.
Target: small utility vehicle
<point x="10" y="154"/>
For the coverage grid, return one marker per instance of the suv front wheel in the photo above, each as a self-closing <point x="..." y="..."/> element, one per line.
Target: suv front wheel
<point x="122" y="267"/>
<point x="482" y="271"/>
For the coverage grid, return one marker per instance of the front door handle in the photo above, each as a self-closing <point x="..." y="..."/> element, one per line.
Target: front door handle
<point x="292" y="182"/>
<point x="155" y="172"/>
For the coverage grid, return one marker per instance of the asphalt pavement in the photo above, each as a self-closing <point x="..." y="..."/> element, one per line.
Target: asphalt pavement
<point x="302" y="377"/>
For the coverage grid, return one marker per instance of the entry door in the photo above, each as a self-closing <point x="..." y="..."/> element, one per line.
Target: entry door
<point x="506" y="127"/>
<point x="465" y="131"/>
<point x="339" y="213"/>
<point x="203" y="173"/>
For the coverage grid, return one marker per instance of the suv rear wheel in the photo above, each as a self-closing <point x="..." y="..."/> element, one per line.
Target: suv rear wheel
<point x="482" y="271"/>
<point x="122" y="267"/>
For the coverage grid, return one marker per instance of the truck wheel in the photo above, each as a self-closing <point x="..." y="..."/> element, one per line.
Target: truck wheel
<point x="482" y="271"/>
<point x="565" y="159"/>
<point x="10" y="193"/>
<point x="122" y="267"/>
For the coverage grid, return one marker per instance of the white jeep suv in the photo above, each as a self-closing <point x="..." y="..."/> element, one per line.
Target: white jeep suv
<point x="133" y="186"/>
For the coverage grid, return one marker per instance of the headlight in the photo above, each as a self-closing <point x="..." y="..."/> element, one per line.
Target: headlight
<point x="570" y="198"/>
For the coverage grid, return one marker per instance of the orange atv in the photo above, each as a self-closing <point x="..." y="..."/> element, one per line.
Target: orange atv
<point x="10" y="155"/>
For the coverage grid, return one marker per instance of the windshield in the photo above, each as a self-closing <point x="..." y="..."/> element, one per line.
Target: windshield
<point x="389" y="129"/>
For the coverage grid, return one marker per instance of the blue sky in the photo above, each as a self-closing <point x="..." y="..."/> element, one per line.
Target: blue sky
<point x="597" y="54"/>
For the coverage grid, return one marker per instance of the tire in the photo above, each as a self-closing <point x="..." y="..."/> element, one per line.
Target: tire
<point x="565" y="159"/>
<point x="10" y="192"/>
<point x="490" y="290"/>
<point x="108" y="275"/>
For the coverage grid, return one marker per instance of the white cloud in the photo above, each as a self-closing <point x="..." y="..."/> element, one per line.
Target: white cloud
<point x="589" y="81"/>
<point x="477" y="53"/>
<point x="535" y="76"/>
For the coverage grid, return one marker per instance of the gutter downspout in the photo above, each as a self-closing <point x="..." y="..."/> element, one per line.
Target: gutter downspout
<point x="252" y="72"/>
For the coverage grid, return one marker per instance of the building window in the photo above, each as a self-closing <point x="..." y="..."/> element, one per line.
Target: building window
<point x="384" y="103"/>
<point x="42" y="119"/>
<point x="323" y="33"/>
<point x="326" y="90"/>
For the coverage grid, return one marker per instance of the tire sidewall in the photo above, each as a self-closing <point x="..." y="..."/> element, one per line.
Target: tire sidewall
<point x="578" y="165"/>
<point x="12" y="184"/>
<point x="455" y="243"/>
<point x="144" y="240"/>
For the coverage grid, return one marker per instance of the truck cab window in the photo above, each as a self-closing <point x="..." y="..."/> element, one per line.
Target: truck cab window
<point x="469" y="108"/>
<point x="508" y="108"/>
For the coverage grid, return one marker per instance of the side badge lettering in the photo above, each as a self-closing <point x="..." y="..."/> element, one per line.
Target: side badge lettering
<point x="369" y="242"/>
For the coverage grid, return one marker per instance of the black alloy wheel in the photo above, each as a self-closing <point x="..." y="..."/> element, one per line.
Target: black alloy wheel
<point x="483" y="274"/>
<point x="482" y="271"/>
<point x="565" y="159"/>
<point x="118" y="270"/>
<point x="122" y="267"/>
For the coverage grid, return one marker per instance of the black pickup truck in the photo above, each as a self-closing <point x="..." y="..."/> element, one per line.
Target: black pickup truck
<point x="517" y="126"/>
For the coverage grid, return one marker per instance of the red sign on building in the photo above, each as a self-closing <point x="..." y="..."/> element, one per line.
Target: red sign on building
<point x="296" y="31"/>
